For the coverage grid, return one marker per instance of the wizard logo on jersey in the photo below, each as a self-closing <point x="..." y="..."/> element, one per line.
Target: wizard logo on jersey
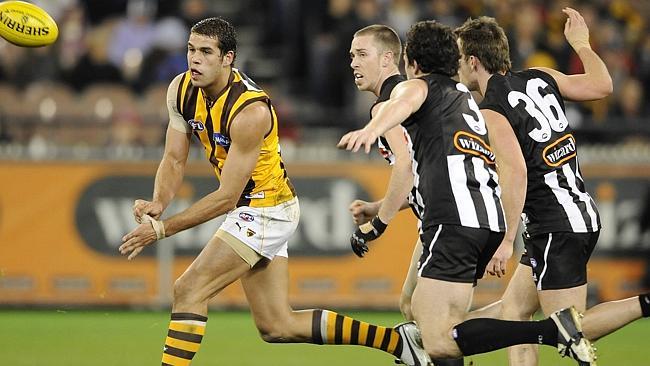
<point x="560" y="151"/>
<point x="471" y="144"/>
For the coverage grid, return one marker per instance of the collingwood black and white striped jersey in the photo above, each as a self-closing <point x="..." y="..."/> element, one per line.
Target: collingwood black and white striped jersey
<point x="384" y="148"/>
<point x="556" y="199"/>
<point x="453" y="166"/>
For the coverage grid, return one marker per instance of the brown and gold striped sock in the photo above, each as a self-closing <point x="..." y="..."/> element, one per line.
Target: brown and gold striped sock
<point x="329" y="327"/>
<point x="184" y="337"/>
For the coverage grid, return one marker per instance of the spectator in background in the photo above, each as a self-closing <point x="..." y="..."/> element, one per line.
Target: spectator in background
<point x="167" y="57"/>
<point x="629" y="102"/>
<point x="132" y="38"/>
<point x="94" y="66"/>
<point x="401" y="14"/>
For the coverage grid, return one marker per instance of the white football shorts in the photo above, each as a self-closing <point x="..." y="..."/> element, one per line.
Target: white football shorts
<point x="266" y="230"/>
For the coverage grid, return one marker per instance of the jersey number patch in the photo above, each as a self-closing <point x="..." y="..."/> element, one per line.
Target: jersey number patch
<point x="476" y="124"/>
<point x="545" y="109"/>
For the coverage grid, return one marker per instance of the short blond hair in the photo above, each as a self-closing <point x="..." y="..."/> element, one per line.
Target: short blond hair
<point x="386" y="38"/>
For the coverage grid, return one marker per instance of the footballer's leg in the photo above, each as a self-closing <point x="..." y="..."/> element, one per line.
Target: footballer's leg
<point x="266" y="290"/>
<point x="563" y="276"/>
<point x="519" y="302"/>
<point x="454" y="258"/>
<point x="216" y="267"/>
<point x="446" y="335"/>
<point x="608" y="317"/>
<point x="436" y="315"/>
<point x="410" y="282"/>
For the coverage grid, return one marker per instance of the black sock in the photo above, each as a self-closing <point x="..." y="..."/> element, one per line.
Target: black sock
<point x="485" y="335"/>
<point x="449" y="362"/>
<point x="645" y="304"/>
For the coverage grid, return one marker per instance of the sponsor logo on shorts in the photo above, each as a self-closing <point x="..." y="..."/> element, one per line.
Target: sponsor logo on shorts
<point x="246" y="217"/>
<point x="196" y="125"/>
<point x="221" y="140"/>
<point x="239" y="226"/>
<point x="533" y="262"/>
<point x="249" y="232"/>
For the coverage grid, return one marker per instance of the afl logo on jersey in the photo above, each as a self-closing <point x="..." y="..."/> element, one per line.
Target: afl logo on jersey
<point x="196" y="125"/>
<point x="220" y="139"/>
<point x="560" y="151"/>
<point x="474" y="145"/>
<point x="246" y="217"/>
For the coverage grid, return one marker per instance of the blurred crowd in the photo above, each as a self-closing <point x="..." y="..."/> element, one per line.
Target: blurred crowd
<point x="103" y="83"/>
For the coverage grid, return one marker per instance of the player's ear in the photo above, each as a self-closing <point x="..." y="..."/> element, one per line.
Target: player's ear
<point x="387" y="59"/>
<point x="228" y="58"/>
<point x="474" y="62"/>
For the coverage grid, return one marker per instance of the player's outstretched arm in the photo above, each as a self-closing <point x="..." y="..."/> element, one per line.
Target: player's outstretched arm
<point x="172" y="166"/>
<point x="171" y="169"/>
<point x="512" y="179"/>
<point x="406" y="99"/>
<point x="595" y="83"/>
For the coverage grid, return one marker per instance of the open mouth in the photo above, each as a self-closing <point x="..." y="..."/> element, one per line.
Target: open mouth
<point x="195" y="72"/>
<point x="357" y="76"/>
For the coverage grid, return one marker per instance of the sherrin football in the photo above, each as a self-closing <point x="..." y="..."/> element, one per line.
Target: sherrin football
<point x="27" y="25"/>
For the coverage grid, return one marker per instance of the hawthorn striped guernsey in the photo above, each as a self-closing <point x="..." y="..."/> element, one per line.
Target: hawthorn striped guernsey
<point x="269" y="184"/>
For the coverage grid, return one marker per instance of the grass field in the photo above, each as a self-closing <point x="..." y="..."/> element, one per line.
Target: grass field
<point x="111" y="338"/>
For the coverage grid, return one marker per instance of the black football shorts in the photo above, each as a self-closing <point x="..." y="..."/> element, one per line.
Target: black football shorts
<point x="457" y="253"/>
<point x="559" y="260"/>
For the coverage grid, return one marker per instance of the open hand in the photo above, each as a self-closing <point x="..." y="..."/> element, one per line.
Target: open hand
<point x="356" y="139"/>
<point x="575" y="29"/>
<point x="135" y="241"/>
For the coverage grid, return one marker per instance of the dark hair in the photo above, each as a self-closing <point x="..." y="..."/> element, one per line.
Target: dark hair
<point x="386" y="37"/>
<point x="220" y="30"/>
<point x="433" y="46"/>
<point x="484" y="39"/>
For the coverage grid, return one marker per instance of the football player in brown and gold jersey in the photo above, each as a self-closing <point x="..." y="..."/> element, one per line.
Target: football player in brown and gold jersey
<point x="236" y="123"/>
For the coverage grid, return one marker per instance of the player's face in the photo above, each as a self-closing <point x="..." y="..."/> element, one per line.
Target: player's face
<point x="204" y="60"/>
<point x="465" y="71"/>
<point x="365" y="62"/>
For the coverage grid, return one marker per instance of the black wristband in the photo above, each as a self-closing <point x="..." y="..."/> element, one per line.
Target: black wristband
<point x="645" y="304"/>
<point x="378" y="225"/>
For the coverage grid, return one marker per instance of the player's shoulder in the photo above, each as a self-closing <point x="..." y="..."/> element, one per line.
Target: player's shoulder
<point x="536" y="73"/>
<point x="176" y="81"/>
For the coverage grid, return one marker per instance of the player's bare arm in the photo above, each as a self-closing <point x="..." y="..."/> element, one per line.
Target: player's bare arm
<point x="406" y="99"/>
<point x="401" y="181"/>
<point x="511" y="167"/>
<point x="172" y="166"/>
<point x="247" y="133"/>
<point x="401" y="178"/>
<point x="595" y="83"/>
<point x="168" y="177"/>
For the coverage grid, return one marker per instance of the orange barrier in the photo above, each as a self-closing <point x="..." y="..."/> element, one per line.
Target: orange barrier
<point x="60" y="225"/>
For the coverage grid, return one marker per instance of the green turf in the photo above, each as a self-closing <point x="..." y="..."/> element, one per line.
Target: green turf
<point x="82" y="338"/>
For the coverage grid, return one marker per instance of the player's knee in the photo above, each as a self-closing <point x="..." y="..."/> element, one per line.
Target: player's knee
<point x="183" y="289"/>
<point x="442" y="346"/>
